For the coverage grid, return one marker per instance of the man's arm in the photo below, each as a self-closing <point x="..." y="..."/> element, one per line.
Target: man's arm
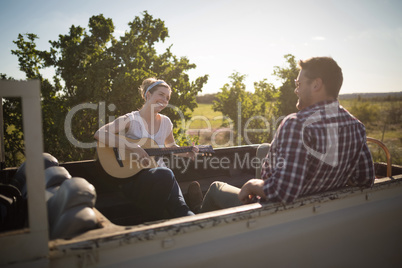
<point x="288" y="163"/>
<point x="364" y="175"/>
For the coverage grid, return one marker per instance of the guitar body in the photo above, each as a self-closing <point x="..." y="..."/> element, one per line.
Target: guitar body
<point x="128" y="165"/>
<point x="124" y="165"/>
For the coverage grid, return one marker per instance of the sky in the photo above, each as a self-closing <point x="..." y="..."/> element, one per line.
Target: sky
<point x="246" y="36"/>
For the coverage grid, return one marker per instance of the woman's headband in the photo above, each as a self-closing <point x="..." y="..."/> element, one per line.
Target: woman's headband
<point x="153" y="85"/>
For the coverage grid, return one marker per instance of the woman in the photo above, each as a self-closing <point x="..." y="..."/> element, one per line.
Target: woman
<point x="153" y="190"/>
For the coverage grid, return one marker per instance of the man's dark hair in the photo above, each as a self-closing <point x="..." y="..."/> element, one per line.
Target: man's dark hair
<point x="327" y="69"/>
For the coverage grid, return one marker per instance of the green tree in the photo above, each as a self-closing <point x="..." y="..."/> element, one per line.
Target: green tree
<point x="255" y="115"/>
<point x="12" y="125"/>
<point x="365" y="112"/>
<point x="250" y="112"/>
<point x="232" y="98"/>
<point x="265" y="111"/>
<point x="31" y="61"/>
<point x="287" y="98"/>
<point x="92" y="67"/>
<point x="231" y="94"/>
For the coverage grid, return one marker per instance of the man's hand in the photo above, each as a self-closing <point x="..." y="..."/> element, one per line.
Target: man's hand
<point x="252" y="188"/>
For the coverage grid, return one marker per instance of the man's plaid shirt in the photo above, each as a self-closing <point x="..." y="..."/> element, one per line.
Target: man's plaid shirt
<point x="319" y="148"/>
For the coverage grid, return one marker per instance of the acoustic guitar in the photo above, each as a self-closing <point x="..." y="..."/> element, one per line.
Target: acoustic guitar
<point x="120" y="165"/>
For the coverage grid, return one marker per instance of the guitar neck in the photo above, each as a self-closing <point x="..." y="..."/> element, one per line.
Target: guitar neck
<point x="167" y="151"/>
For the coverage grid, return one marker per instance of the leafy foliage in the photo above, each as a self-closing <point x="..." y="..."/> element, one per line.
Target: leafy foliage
<point x="248" y="111"/>
<point x="287" y="98"/>
<point x="92" y="67"/>
<point x="182" y="139"/>
<point x="255" y="115"/>
<point x="13" y="138"/>
<point x="365" y="111"/>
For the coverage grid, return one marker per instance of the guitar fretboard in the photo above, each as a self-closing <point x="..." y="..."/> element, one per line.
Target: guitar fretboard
<point x="167" y="151"/>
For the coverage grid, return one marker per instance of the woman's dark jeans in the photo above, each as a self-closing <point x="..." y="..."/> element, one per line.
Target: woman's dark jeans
<point x="155" y="191"/>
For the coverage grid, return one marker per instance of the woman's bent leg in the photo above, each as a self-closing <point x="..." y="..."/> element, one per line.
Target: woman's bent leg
<point x="177" y="206"/>
<point x="149" y="190"/>
<point x="156" y="190"/>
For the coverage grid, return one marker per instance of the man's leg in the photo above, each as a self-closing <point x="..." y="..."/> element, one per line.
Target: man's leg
<point x="220" y="195"/>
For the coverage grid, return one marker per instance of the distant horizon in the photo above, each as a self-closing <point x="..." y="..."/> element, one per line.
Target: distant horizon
<point x="356" y="93"/>
<point x="385" y="93"/>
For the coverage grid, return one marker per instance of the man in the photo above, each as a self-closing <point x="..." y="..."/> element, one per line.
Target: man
<point x="319" y="148"/>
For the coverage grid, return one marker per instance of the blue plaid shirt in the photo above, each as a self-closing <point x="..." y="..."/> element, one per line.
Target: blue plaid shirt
<point x="320" y="148"/>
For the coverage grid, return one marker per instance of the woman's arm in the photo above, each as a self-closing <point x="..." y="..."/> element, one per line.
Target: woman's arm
<point x="109" y="135"/>
<point x="170" y="142"/>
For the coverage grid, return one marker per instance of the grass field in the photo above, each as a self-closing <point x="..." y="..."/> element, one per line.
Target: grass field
<point x="386" y="126"/>
<point x="205" y="117"/>
<point x="205" y="123"/>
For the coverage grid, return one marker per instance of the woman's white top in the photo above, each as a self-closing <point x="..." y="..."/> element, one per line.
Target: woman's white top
<point x="138" y="130"/>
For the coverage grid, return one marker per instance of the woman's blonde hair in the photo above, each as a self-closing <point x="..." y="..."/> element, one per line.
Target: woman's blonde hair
<point x="148" y="82"/>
